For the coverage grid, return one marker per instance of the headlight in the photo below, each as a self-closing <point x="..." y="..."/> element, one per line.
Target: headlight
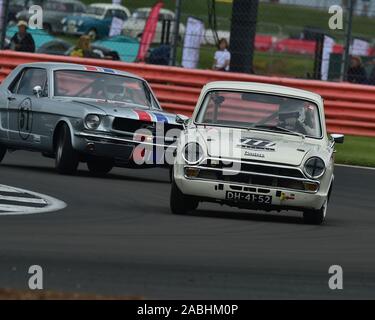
<point x="193" y="153"/>
<point x="92" y="121"/>
<point x="314" y="167"/>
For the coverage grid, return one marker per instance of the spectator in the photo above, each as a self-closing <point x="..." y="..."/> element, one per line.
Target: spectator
<point x="83" y="48"/>
<point x="222" y="57"/>
<point x="22" y="40"/>
<point x="159" y="55"/>
<point x="356" y="72"/>
<point x="371" y="79"/>
<point x="365" y="6"/>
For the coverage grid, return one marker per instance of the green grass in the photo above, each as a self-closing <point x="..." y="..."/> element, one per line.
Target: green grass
<point x="264" y="62"/>
<point x="356" y="151"/>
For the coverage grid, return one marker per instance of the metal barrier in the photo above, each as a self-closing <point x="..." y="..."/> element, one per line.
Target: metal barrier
<point x="349" y="108"/>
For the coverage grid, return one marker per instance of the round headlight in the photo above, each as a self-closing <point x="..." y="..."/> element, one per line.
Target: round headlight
<point x="193" y="153"/>
<point x="92" y="121"/>
<point x="314" y="167"/>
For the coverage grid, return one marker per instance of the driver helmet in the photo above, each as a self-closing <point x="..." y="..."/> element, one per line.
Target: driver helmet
<point x="291" y="110"/>
<point x="113" y="90"/>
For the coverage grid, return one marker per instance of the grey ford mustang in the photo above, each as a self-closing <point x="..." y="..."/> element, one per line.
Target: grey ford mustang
<point x="76" y="113"/>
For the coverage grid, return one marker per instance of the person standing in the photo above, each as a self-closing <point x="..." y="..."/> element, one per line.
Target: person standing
<point x="356" y="72"/>
<point x="222" y="56"/>
<point x="22" y="40"/>
<point x="371" y="78"/>
<point x="83" y="48"/>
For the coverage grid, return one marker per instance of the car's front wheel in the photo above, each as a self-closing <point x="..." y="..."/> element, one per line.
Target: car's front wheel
<point x="181" y="203"/>
<point x="66" y="157"/>
<point x="3" y="151"/>
<point x="315" y="217"/>
<point x="99" y="166"/>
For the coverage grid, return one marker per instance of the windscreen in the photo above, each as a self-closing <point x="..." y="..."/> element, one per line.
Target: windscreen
<point x="101" y="86"/>
<point x="260" y="111"/>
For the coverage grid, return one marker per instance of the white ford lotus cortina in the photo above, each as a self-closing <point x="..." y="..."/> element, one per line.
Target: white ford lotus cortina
<point x="255" y="146"/>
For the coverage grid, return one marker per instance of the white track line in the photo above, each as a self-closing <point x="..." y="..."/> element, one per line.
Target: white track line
<point x="21" y="199"/>
<point x="7" y="189"/>
<point x="13" y="208"/>
<point x="354" y="167"/>
<point x="52" y="203"/>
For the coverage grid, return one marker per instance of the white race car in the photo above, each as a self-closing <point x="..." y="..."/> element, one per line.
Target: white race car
<point x="255" y="146"/>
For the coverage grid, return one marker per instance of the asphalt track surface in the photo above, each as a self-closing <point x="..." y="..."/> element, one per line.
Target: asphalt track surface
<point x="117" y="237"/>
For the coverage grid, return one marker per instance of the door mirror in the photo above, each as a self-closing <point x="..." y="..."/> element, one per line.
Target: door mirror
<point x="182" y="120"/>
<point x="338" y="138"/>
<point x="37" y="90"/>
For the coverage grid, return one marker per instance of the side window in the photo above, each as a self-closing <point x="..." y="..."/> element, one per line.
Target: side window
<point x="108" y="14"/>
<point x="32" y="77"/>
<point x="14" y="85"/>
<point x="120" y="14"/>
<point x="79" y="8"/>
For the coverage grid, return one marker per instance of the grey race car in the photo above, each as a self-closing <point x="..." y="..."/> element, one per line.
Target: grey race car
<point x="76" y="113"/>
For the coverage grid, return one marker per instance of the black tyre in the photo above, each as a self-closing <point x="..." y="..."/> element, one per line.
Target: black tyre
<point x="66" y="157"/>
<point x="315" y="217"/>
<point x="3" y="151"/>
<point x="100" y="166"/>
<point x="180" y="203"/>
<point x="170" y="174"/>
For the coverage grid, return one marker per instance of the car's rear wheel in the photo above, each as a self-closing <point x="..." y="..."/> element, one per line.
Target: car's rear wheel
<point x="100" y="166"/>
<point x="3" y="151"/>
<point x="315" y="217"/>
<point x="180" y="203"/>
<point x="66" y="157"/>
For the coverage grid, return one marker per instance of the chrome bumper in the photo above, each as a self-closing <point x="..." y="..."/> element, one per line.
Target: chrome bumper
<point x="106" y="138"/>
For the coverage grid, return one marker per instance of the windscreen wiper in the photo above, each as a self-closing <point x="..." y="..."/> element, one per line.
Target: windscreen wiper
<point x="278" y="128"/>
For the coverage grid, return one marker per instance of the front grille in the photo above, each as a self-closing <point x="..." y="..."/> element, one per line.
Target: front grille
<point x="244" y="178"/>
<point x="257" y="168"/>
<point x="132" y="125"/>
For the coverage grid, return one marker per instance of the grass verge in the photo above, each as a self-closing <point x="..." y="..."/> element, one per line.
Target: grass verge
<point x="358" y="151"/>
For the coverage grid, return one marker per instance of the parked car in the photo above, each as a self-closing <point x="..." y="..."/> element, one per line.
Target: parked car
<point x="64" y="48"/>
<point x="256" y="146"/>
<point x="76" y="113"/>
<point x="16" y="6"/>
<point x="55" y="47"/>
<point x="40" y="36"/>
<point x="53" y="12"/>
<point x="96" y="22"/>
<point x="135" y="25"/>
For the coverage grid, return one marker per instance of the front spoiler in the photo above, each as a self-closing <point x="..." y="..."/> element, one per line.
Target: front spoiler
<point x="215" y="191"/>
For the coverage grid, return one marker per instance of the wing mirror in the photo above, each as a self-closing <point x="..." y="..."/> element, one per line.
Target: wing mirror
<point x="338" y="138"/>
<point x="37" y="90"/>
<point x="180" y="119"/>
